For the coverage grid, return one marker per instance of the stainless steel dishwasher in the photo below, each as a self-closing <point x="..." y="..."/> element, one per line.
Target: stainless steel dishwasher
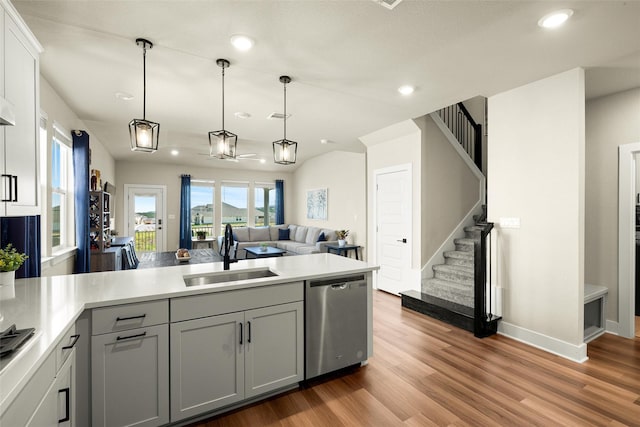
<point x="335" y="324"/>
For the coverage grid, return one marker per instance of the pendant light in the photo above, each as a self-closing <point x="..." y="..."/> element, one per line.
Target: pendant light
<point x="222" y="143"/>
<point x="144" y="133"/>
<point x="285" y="151"/>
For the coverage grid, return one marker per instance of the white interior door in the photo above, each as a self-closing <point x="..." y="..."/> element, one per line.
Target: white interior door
<point x="145" y="217"/>
<point x="393" y="229"/>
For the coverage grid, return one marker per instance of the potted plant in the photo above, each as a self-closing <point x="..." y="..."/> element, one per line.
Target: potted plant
<point x="342" y="236"/>
<point x="10" y="261"/>
<point x="201" y="234"/>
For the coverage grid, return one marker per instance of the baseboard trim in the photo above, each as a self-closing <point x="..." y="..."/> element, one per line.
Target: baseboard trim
<point x="575" y="353"/>
<point x="612" y="327"/>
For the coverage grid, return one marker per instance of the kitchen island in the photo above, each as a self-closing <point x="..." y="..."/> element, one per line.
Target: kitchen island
<point x="54" y="305"/>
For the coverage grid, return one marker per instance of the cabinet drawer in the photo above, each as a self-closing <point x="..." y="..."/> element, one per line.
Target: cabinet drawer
<point x="197" y="306"/>
<point x="129" y="316"/>
<point x="65" y="346"/>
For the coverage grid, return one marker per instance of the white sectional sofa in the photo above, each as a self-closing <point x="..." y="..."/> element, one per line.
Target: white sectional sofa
<point x="302" y="239"/>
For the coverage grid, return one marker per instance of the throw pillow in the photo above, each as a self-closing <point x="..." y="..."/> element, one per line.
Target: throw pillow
<point x="235" y="237"/>
<point x="322" y="237"/>
<point x="283" y="234"/>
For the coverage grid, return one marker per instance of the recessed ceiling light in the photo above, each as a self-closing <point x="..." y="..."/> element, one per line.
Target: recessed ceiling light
<point x="406" y="90"/>
<point x="124" y="96"/>
<point x="555" y="19"/>
<point x="242" y="115"/>
<point x="242" y="42"/>
<point x="324" y="141"/>
<point x="263" y="161"/>
<point x="174" y="152"/>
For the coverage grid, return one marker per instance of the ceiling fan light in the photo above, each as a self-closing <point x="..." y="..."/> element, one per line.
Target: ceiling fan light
<point x="222" y="144"/>
<point x="144" y="135"/>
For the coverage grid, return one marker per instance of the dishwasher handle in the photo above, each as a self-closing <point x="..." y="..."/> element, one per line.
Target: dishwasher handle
<point x="339" y="281"/>
<point x="339" y="286"/>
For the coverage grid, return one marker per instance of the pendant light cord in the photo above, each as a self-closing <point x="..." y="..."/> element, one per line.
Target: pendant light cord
<point x="285" y="112"/>
<point x="144" y="81"/>
<point x="223" y="99"/>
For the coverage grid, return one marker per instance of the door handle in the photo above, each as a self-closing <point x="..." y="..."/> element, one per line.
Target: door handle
<point x="402" y="240"/>
<point x="4" y="175"/>
<point x="15" y="189"/>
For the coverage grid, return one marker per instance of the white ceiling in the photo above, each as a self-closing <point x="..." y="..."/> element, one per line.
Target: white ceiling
<point x="346" y="59"/>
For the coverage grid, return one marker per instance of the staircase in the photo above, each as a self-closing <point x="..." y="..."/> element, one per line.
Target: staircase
<point x="460" y="291"/>
<point x="451" y="294"/>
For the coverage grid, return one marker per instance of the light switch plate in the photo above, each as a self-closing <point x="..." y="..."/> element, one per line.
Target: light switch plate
<point x="509" y="222"/>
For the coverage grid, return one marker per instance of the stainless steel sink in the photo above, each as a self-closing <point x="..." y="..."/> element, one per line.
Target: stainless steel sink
<point x="231" y="276"/>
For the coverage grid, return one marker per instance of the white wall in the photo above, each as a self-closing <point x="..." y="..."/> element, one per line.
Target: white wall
<point x="449" y="188"/>
<point x="57" y="110"/>
<point x="169" y="175"/>
<point x="536" y="169"/>
<point x="611" y="121"/>
<point x="343" y="174"/>
<point x="396" y="145"/>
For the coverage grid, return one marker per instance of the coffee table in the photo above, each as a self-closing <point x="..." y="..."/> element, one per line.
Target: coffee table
<point x="260" y="252"/>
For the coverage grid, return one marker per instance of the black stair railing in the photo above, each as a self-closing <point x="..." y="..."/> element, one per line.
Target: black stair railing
<point x="485" y="323"/>
<point x="465" y="129"/>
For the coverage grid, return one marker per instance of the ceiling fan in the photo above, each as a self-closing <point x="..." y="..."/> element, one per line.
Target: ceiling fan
<point x="246" y="156"/>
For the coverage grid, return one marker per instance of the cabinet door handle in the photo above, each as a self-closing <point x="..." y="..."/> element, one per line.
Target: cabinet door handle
<point x="15" y="188"/>
<point x="119" y="319"/>
<point x="73" y="343"/>
<point x="67" y="408"/>
<point x="240" y="333"/>
<point x="4" y="184"/>
<point x="249" y="332"/>
<point x="119" y="338"/>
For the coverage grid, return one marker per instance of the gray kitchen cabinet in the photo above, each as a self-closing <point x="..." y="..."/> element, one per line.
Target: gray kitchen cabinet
<point x="20" y="186"/>
<point x="130" y="377"/>
<point x="274" y="350"/>
<point x="220" y="360"/>
<point x="49" y="397"/>
<point x="207" y="364"/>
<point x="57" y="407"/>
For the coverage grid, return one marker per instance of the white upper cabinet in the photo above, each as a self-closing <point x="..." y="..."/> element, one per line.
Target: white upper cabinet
<point x="20" y="185"/>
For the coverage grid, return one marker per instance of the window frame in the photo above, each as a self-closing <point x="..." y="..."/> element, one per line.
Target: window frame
<point x="61" y="137"/>
<point x="261" y="185"/>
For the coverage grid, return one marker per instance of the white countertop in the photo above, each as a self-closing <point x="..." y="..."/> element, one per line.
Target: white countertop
<point x="52" y="304"/>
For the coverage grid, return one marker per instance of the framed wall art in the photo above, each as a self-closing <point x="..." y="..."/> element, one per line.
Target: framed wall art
<point x="317" y="204"/>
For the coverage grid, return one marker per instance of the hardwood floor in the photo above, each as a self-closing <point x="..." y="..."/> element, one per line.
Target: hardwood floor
<point x="425" y="373"/>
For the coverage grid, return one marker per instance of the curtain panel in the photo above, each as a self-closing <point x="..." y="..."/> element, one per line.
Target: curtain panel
<point x="185" y="211"/>
<point x="279" y="201"/>
<point x="81" y="191"/>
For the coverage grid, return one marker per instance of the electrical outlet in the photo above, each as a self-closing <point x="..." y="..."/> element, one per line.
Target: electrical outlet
<point x="509" y="222"/>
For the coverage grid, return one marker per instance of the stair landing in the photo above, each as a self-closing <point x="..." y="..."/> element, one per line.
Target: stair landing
<point x="454" y="314"/>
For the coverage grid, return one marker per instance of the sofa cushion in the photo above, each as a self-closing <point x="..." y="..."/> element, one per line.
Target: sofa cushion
<point x="259" y="234"/>
<point x="290" y="245"/>
<point x="283" y="234"/>
<point x="312" y="235"/>
<point x="274" y="231"/>
<point x="330" y="235"/>
<point x="301" y="234"/>
<point x="307" y="249"/>
<point x="241" y="234"/>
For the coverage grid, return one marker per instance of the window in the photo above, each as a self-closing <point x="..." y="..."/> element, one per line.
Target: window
<point x="265" y="204"/>
<point x="234" y="204"/>
<point x="202" y="211"/>
<point x="61" y="232"/>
